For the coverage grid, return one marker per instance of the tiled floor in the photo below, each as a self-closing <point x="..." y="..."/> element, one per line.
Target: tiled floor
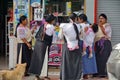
<point x="4" y="62"/>
<point x="53" y="71"/>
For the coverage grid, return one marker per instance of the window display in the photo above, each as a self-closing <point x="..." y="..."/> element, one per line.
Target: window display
<point x="63" y="6"/>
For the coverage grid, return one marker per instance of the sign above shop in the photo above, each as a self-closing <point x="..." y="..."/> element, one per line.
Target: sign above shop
<point x="38" y="14"/>
<point x="35" y="3"/>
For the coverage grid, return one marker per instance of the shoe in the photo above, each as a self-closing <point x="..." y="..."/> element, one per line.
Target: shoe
<point x="90" y="55"/>
<point x="84" y="53"/>
<point x="38" y="78"/>
<point x="85" y="76"/>
<point x="46" y="78"/>
<point x="27" y="75"/>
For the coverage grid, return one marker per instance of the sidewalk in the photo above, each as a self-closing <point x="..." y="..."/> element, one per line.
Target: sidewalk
<point x="53" y="71"/>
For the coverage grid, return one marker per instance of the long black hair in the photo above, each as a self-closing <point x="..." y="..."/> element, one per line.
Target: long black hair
<point x="49" y="18"/>
<point x="83" y="17"/>
<point x="73" y="16"/>
<point x="103" y="15"/>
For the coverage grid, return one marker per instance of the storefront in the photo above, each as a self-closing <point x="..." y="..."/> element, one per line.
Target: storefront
<point x="60" y="8"/>
<point x="111" y="9"/>
<point x="5" y="14"/>
<point x="36" y="10"/>
<point x="63" y="7"/>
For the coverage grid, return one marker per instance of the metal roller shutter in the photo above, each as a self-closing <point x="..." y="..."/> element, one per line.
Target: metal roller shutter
<point x="112" y="9"/>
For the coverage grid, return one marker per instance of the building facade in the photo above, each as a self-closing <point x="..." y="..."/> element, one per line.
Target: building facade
<point x="111" y="8"/>
<point x="92" y="8"/>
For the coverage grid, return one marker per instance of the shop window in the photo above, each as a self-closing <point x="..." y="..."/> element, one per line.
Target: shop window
<point x="61" y="6"/>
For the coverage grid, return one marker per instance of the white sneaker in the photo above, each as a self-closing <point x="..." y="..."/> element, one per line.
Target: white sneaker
<point x="84" y="53"/>
<point x="90" y="55"/>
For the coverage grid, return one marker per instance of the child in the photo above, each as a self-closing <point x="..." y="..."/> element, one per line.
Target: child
<point x="89" y="39"/>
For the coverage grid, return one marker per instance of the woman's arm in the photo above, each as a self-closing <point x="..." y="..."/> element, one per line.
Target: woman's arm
<point x="103" y="30"/>
<point x="33" y="29"/>
<point x="27" y="43"/>
<point x="108" y="30"/>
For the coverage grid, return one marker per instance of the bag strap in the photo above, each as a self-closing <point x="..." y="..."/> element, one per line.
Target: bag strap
<point x="76" y="30"/>
<point x="43" y="34"/>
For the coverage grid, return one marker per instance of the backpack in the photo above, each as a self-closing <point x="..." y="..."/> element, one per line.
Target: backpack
<point x="40" y="34"/>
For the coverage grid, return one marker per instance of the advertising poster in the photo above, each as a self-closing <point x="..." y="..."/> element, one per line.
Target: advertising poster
<point x="35" y="3"/>
<point x="38" y="14"/>
<point x="21" y="7"/>
<point x="55" y="54"/>
<point x="68" y="8"/>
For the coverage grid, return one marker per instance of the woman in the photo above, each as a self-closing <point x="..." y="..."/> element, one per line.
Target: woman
<point x="24" y="42"/>
<point x="71" y="68"/>
<point x="89" y="64"/>
<point x="43" y="39"/>
<point x="103" y="46"/>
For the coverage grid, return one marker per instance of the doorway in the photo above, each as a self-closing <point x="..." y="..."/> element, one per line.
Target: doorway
<point x="4" y="6"/>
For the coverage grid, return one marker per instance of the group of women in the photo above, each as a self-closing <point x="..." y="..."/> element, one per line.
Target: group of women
<point x="73" y="63"/>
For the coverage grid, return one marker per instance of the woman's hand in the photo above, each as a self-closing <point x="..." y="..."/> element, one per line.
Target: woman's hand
<point x="29" y="45"/>
<point x="103" y="29"/>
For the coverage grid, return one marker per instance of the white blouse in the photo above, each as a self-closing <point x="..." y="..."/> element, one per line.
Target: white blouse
<point x="70" y="35"/>
<point x="23" y="32"/>
<point x="108" y="30"/>
<point x="89" y="37"/>
<point x="100" y="34"/>
<point x="49" y="29"/>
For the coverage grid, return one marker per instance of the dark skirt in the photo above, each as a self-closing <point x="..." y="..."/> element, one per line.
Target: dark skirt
<point x="26" y="54"/>
<point x="71" y="67"/>
<point x="37" y="58"/>
<point x="103" y="50"/>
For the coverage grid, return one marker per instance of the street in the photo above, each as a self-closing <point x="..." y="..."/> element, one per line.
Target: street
<point x="53" y="71"/>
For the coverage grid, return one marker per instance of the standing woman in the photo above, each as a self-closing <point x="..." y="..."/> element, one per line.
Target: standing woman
<point x="71" y="67"/>
<point x="24" y="41"/>
<point x="89" y="64"/>
<point x="43" y="39"/>
<point x="103" y="45"/>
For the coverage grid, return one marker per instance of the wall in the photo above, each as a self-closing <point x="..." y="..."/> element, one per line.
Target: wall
<point x="89" y="10"/>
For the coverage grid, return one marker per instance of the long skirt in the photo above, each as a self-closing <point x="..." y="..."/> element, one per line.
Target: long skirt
<point x="103" y="51"/>
<point x="89" y="64"/>
<point x="71" y="68"/>
<point x="37" y="58"/>
<point x="26" y="54"/>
